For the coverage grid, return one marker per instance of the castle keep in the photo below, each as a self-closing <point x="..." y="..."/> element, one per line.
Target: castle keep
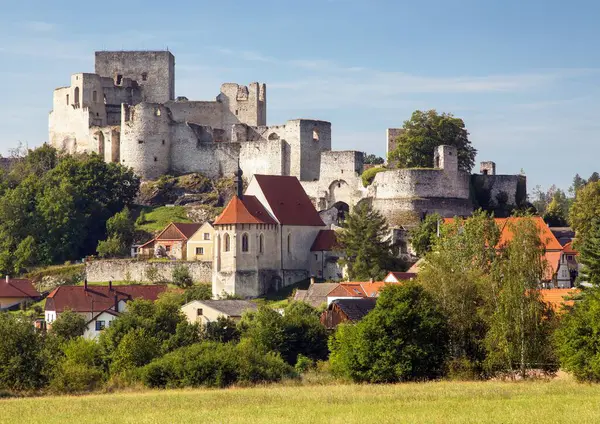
<point x="127" y="112"/>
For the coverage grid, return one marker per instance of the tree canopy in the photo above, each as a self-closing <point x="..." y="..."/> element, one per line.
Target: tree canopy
<point x="426" y="130"/>
<point x="584" y="211"/>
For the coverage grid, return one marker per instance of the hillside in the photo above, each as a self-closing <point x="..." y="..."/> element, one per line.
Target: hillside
<point x="558" y="401"/>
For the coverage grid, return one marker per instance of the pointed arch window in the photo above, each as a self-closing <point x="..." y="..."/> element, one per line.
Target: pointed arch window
<point x="261" y="244"/>
<point x="226" y="243"/>
<point x="245" y="246"/>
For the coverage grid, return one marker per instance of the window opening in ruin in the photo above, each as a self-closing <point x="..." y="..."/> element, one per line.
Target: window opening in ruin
<point x="485" y="172"/>
<point x="315" y="134"/>
<point x="144" y="76"/>
<point x="67" y="99"/>
<point x="119" y="79"/>
<point x="226" y="243"/>
<point x="155" y="159"/>
<point x="104" y="95"/>
<point x="97" y="114"/>
<point x="163" y="142"/>
<point x="261" y="244"/>
<point x="437" y="162"/>
<point x="236" y="112"/>
<point x="76" y="96"/>
<point x="94" y="96"/>
<point x="245" y="242"/>
<point x="140" y="141"/>
<point x="273" y="136"/>
<point x="157" y="112"/>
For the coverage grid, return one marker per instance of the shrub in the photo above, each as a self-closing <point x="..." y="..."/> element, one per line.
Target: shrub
<point x="137" y="348"/>
<point x="404" y="338"/>
<point x="182" y="277"/>
<point x="201" y="291"/>
<point x="68" y="325"/>
<point x="303" y="364"/>
<point x="578" y="338"/>
<point x="369" y="175"/>
<point x="81" y="368"/>
<point x="214" y="365"/>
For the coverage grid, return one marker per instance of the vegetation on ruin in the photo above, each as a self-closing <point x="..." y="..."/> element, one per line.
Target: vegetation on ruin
<point x="426" y="130"/>
<point x="368" y="175"/>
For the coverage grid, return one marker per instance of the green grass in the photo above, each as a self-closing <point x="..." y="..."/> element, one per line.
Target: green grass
<point x="559" y="401"/>
<point x="159" y="217"/>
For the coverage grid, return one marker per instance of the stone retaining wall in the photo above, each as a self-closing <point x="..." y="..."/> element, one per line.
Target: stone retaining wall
<point x="137" y="271"/>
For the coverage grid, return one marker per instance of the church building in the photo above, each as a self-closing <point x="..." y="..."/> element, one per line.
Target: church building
<point x="263" y="237"/>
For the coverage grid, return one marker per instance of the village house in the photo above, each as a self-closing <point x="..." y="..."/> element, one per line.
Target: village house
<point x="206" y="311"/>
<point x="170" y="242"/>
<point x="14" y="292"/>
<point x="558" y="299"/>
<point x="99" y="305"/>
<point x="349" y="310"/>
<point x="316" y="294"/>
<point x="324" y="262"/>
<point x="200" y="244"/>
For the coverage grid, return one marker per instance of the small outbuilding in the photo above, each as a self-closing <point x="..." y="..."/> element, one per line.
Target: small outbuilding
<point x="205" y="311"/>
<point x="347" y="311"/>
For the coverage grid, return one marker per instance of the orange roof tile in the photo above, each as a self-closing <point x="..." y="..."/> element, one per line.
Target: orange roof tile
<point x="568" y="249"/>
<point x="547" y="237"/>
<point x="358" y="289"/>
<point x="247" y="210"/>
<point x="556" y="297"/>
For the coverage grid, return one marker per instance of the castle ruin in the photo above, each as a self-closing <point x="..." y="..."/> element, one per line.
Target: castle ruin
<point x="127" y="112"/>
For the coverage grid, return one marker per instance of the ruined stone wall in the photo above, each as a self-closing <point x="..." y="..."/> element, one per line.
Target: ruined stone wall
<point x="243" y="104"/>
<point x="154" y="71"/>
<point x="146" y="139"/>
<point x="488" y="188"/>
<point x="189" y="155"/>
<point x="391" y="135"/>
<point x="409" y="211"/>
<point x="262" y="157"/>
<point x="204" y="113"/>
<point x="340" y="164"/>
<point x="134" y="270"/>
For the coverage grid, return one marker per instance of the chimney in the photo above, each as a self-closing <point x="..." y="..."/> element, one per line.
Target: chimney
<point x="371" y="280"/>
<point x="116" y="303"/>
<point x="85" y="287"/>
<point x="110" y="285"/>
<point x="239" y="182"/>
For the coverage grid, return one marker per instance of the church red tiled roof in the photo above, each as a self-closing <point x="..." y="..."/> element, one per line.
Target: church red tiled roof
<point x="288" y="200"/>
<point x="325" y="241"/>
<point x="247" y="210"/>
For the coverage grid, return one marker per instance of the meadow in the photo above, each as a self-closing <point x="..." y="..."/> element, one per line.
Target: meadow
<point x="556" y="401"/>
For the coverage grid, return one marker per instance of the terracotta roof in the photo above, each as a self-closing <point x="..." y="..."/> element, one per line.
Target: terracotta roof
<point x="357" y="289"/>
<point x="553" y="260"/>
<point x="325" y="240"/>
<point x="402" y="276"/>
<point x="98" y="298"/>
<point x="355" y="309"/>
<point x="18" y="289"/>
<point x="568" y="249"/>
<point x="288" y="200"/>
<point x="247" y="210"/>
<point x="187" y="229"/>
<point x="556" y="297"/>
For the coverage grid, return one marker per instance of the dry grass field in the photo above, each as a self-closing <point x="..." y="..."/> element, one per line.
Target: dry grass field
<point x="558" y="401"/>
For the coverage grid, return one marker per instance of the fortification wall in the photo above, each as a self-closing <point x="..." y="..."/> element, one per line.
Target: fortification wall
<point x="205" y="113"/>
<point x="340" y="164"/>
<point x="409" y="183"/>
<point x="134" y="270"/>
<point x="262" y="157"/>
<point x="211" y="159"/>
<point x="154" y="71"/>
<point x="488" y="189"/>
<point x="146" y="139"/>
<point x="408" y="211"/>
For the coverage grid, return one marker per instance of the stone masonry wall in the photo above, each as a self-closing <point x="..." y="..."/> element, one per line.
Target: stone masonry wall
<point x="134" y="270"/>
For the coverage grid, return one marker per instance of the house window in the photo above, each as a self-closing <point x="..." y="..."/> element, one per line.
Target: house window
<point x="316" y="257"/>
<point x="206" y="236"/>
<point x="570" y="257"/>
<point x="199" y="311"/>
<point x="245" y="242"/>
<point x="199" y="250"/>
<point x="226" y="242"/>
<point x="261" y="243"/>
<point x="167" y="249"/>
<point x="100" y="325"/>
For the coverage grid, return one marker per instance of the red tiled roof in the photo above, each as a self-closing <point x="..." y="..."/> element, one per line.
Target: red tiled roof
<point x="288" y="200"/>
<point x="556" y="297"/>
<point x="18" y="289"/>
<point x="547" y="237"/>
<point x="98" y="298"/>
<point x="325" y="240"/>
<point x="247" y="210"/>
<point x="568" y="249"/>
<point x="187" y="229"/>
<point x="357" y="289"/>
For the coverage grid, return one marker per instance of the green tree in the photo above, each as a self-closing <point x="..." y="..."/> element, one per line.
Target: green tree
<point x="589" y="255"/>
<point x="69" y="325"/>
<point x="521" y="326"/>
<point x="364" y="239"/>
<point x="424" y="132"/>
<point x="182" y="277"/>
<point x="457" y="274"/>
<point x="594" y="178"/>
<point x="80" y="369"/>
<point x="578" y="337"/>
<point x="137" y="348"/>
<point x="21" y="354"/>
<point x="555" y="214"/>
<point x="198" y="292"/>
<point x="584" y="211"/>
<point x="373" y="160"/>
<point x="120" y="228"/>
<point x="423" y="236"/>
<point x="25" y="255"/>
<point x="403" y="339"/>
<point x="223" y="330"/>
<point x="578" y="183"/>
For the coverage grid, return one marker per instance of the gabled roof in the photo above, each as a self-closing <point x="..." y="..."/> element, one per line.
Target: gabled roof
<point x="231" y="308"/>
<point x="175" y="231"/>
<point x="187" y="229"/>
<point x="316" y="294"/>
<point x="358" y="289"/>
<point x="288" y="200"/>
<point x="355" y="309"/>
<point x="568" y="249"/>
<point x="325" y="241"/>
<point x="98" y="298"/>
<point x="548" y="239"/>
<point x="247" y="210"/>
<point x="18" y="289"/>
<point x="556" y="298"/>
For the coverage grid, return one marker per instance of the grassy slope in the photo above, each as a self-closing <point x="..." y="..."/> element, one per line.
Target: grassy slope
<point x="158" y="218"/>
<point x="557" y="401"/>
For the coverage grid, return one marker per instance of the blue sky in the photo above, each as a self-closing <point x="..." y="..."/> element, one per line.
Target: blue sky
<point x="524" y="75"/>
